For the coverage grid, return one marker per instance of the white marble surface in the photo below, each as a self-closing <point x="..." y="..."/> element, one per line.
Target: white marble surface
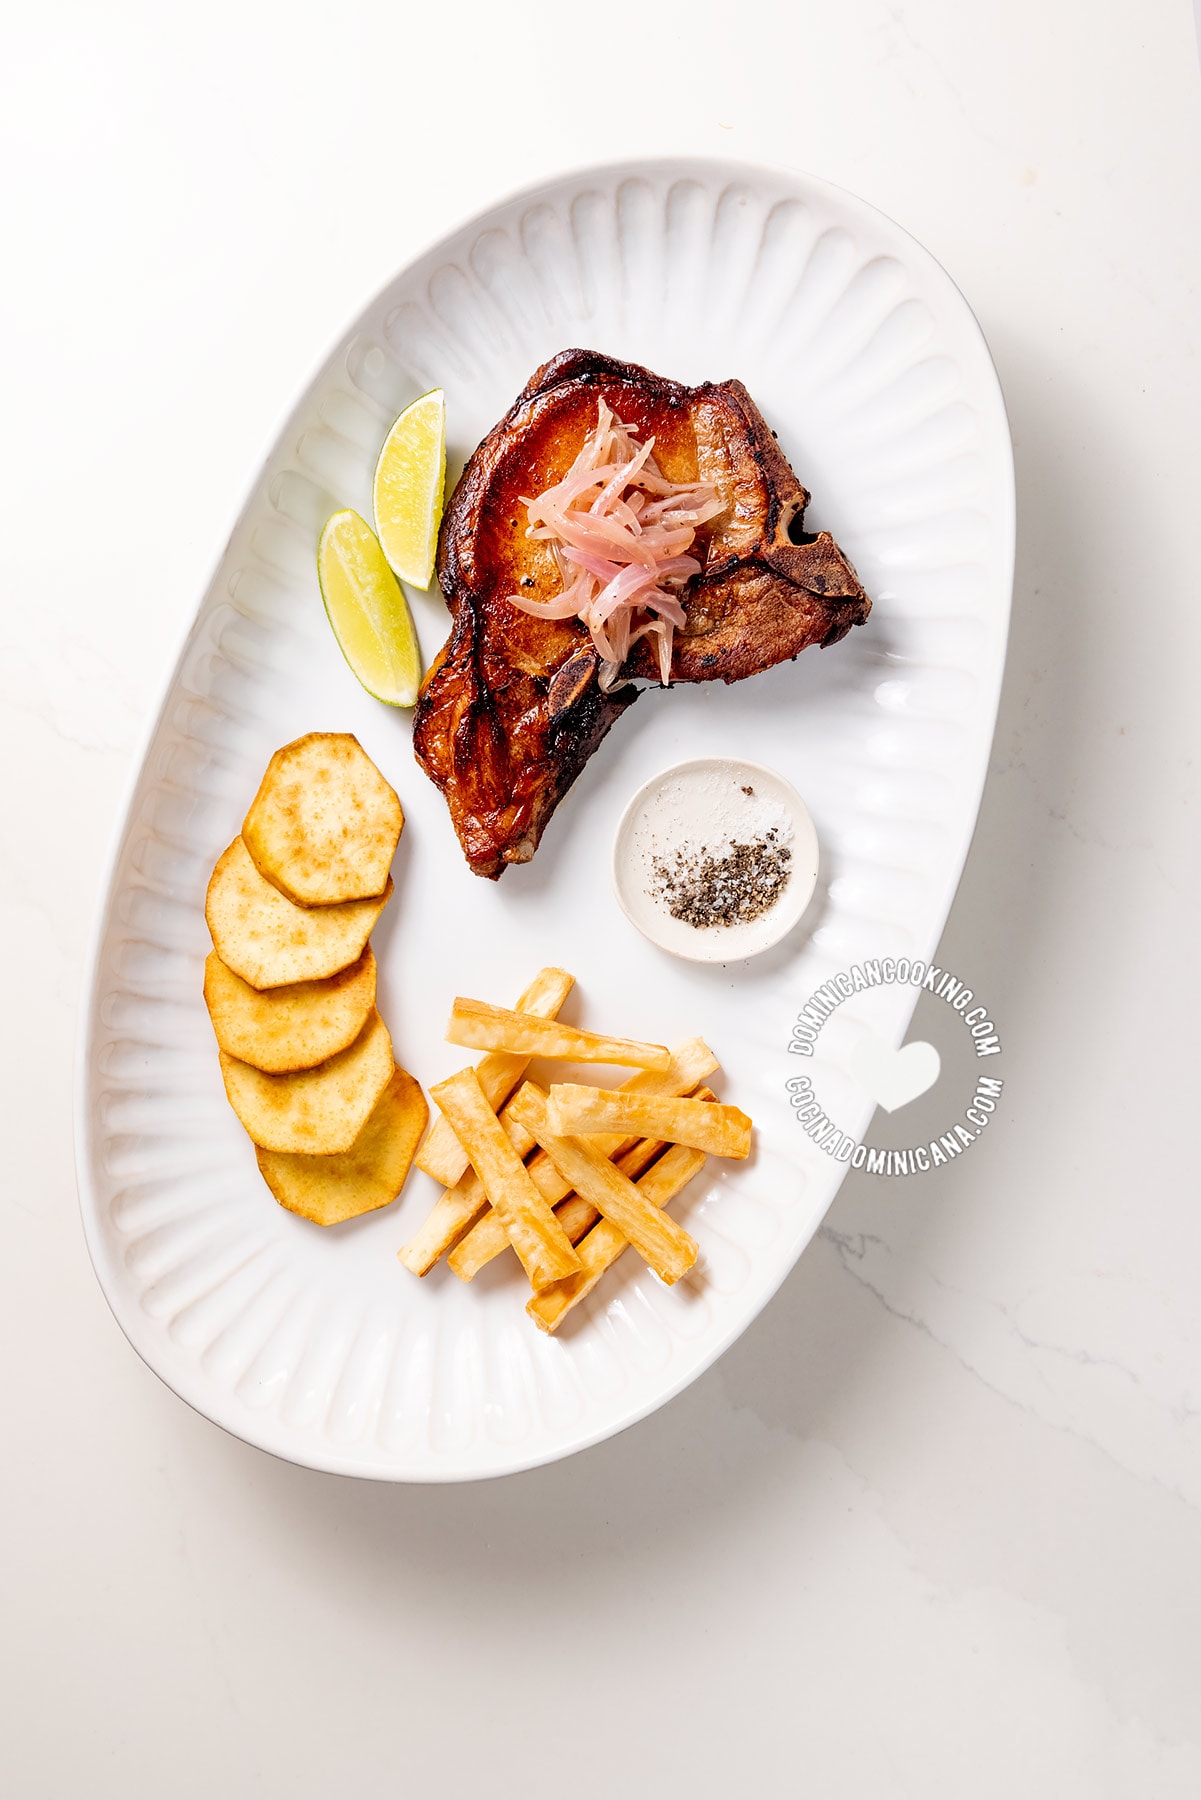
<point x="933" y="1527"/>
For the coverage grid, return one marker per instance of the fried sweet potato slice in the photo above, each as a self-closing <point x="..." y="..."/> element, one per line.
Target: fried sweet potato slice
<point x="293" y="1027"/>
<point x="324" y="825"/>
<point x="318" y="1111"/>
<point x="269" y="941"/>
<point x="329" y="1189"/>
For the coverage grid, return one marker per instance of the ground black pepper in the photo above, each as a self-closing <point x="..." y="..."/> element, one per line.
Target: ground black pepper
<point x="704" y="889"/>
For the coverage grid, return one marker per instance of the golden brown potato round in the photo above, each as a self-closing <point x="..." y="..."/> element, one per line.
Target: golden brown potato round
<point x="271" y="943"/>
<point x="328" y="1189"/>
<point x="319" y="1111"/>
<point x="324" y="825"/>
<point x="294" y="1027"/>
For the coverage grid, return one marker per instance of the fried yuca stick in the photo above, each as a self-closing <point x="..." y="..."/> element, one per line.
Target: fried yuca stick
<point x="468" y="1201"/>
<point x="442" y="1155"/>
<point x="456" y="1210"/>
<point x="576" y="1216"/>
<point x="483" y="1027"/>
<point x="605" y="1243"/>
<point x="691" y="1062"/>
<point x="661" y="1243"/>
<point x="534" y="1232"/>
<point x="575" y="1111"/>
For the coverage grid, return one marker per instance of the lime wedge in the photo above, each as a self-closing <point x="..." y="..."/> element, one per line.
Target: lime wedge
<point x="409" y="478"/>
<point x="366" y="606"/>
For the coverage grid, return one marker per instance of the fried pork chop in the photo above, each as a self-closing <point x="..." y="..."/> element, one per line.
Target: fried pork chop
<point x="512" y="707"/>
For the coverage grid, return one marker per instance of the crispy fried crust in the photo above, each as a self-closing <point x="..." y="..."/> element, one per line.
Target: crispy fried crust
<point x="510" y="710"/>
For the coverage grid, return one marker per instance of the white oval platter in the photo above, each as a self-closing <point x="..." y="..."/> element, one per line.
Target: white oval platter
<point x="317" y="1345"/>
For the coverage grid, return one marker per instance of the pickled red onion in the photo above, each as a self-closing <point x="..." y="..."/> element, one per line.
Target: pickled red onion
<point x="619" y="530"/>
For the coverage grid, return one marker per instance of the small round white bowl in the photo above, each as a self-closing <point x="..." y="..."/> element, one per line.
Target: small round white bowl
<point x="676" y="809"/>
